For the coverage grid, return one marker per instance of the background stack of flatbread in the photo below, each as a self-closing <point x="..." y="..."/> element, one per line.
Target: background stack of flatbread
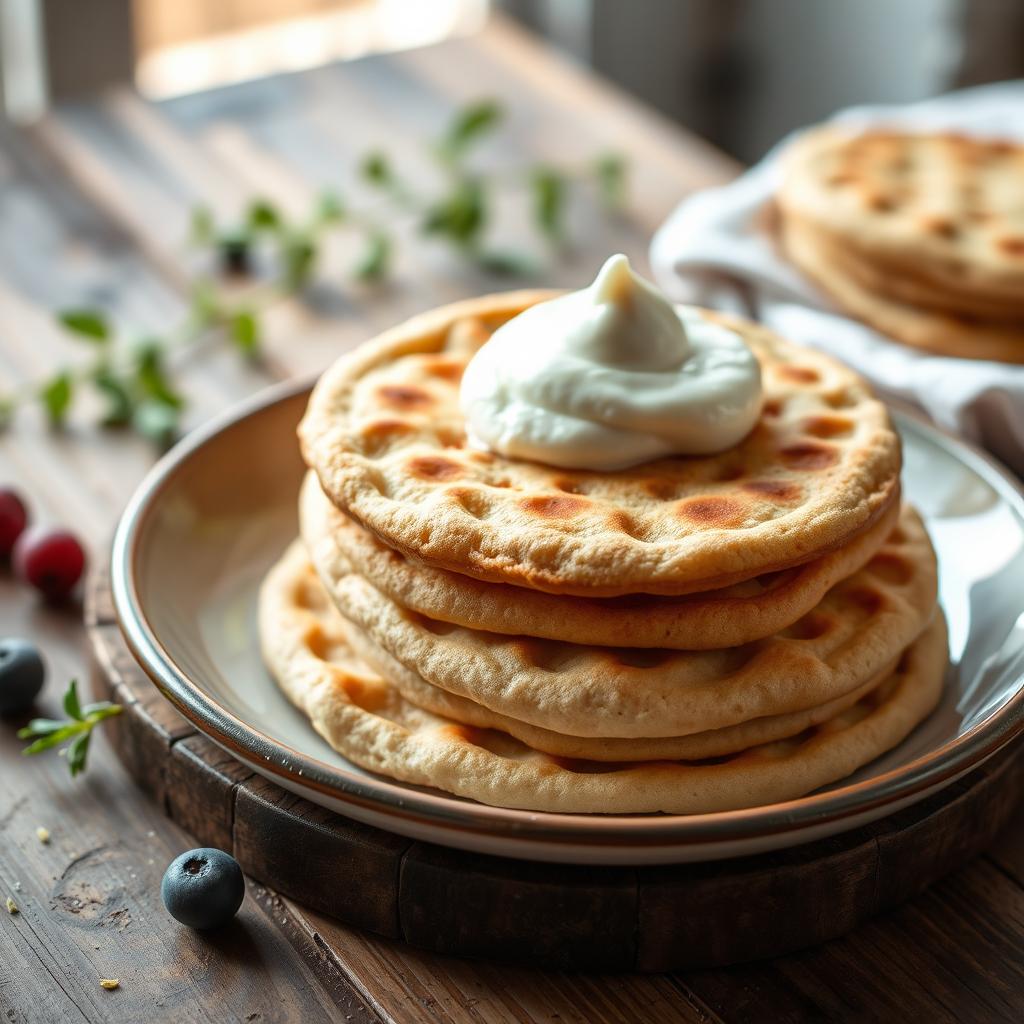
<point x="921" y="236"/>
<point x="693" y="634"/>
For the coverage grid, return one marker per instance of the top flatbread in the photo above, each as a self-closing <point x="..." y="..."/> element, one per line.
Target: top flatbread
<point x="946" y="207"/>
<point x="384" y="433"/>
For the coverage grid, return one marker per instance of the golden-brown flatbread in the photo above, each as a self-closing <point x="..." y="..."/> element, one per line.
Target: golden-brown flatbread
<point x="365" y="718"/>
<point x="946" y="207"/>
<point x="384" y="433"/>
<point x="857" y="628"/>
<point x="921" y="328"/>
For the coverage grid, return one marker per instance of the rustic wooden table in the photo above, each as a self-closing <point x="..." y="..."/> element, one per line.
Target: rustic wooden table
<point x="94" y="203"/>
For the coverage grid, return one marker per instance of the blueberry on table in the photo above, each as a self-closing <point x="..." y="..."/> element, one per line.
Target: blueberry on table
<point x="51" y="560"/>
<point x="21" y="674"/>
<point x="203" y="888"/>
<point x="13" y="519"/>
<point x="235" y="254"/>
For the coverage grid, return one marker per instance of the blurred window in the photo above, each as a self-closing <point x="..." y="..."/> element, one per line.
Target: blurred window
<point x="187" y="45"/>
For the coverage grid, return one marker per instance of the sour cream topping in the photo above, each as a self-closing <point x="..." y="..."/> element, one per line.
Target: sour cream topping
<point x="610" y="376"/>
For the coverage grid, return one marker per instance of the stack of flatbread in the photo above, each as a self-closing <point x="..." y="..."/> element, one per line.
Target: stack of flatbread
<point x="921" y="236"/>
<point x="693" y="634"/>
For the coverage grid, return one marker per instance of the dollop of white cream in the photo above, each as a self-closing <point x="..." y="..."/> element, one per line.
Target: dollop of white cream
<point x="610" y="376"/>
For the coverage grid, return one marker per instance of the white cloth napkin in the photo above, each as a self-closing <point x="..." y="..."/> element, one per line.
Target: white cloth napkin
<point x="712" y="252"/>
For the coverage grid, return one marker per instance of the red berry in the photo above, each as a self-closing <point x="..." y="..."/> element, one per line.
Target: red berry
<point x="13" y="519"/>
<point x="49" y="559"/>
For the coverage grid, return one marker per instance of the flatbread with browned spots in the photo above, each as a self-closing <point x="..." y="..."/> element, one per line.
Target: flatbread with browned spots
<point x="932" y="330"/>
<point x="384" y="433"/>
<point x="907" y="285"/>
<point x="943" y="208"/>
<point x="847" y="639"/>
<point x="734" y="615"/>
<point x="692" y="747"/>
<point x="365" y="717"/>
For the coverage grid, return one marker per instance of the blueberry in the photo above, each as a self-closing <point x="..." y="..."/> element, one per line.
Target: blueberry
<point x="21" y="674"/>
<point x="203" y="888"/>
<point x="235" y="254"/>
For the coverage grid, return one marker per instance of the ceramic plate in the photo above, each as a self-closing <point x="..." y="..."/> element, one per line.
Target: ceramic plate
<point x="218" y="510"/>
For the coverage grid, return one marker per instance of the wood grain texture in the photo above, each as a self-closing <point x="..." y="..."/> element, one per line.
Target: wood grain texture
<point x="89" y="904"/>
<point x="318" y="857"/>
<point x="201" y="785"/>
<point x="562" y="917"/>
<point x="554" y="915"/>
<point x="93" y="206"/>
<point x="425" y="987"/>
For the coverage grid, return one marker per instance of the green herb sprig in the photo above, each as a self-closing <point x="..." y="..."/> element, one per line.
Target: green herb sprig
<point x="77" y="727"/>
<point x="133" y="380"/>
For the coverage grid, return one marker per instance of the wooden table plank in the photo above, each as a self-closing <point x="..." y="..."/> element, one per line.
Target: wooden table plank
<point x="421" y="986"/>
<point x="952" y="955"/>
<point x="104" y="191"/>
<point x="89" y="899"/>
<point x="147" y="168"/>
<point x="1008" y="853"/>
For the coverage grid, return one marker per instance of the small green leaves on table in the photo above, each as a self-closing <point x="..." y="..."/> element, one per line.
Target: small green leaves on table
<point x="610" y="172"/>
<point x="56" y="395"/>
<point x="468" y="125"/>
<point x="47" y="733"/>
<point x="265" y="253"/>
<point x="549" y="188"/>
<point x="87" y="324"/>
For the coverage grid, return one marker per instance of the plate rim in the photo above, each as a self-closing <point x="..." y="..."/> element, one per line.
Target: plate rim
<point x="920" y="776"/>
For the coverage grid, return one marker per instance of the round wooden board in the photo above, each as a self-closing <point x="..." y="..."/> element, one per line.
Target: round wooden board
<point x="551" y="915"/>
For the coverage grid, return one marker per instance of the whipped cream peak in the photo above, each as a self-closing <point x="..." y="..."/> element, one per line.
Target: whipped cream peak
<point x="610" y="376"/>
<point x="631" y="325"/>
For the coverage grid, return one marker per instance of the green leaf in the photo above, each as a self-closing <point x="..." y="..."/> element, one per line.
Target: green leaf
<point x="299" y="260"/>
<point x="375" y="260"/>
<point x="117" y="395"/>
<point x="505" y="263"/>
<point x="549" y="202"/>
<point x="7" y="406"/>
<point x="72" y="708"/>
<point x="151" y="377"/>
<point x="157" y="421"/>
<point x="51" y="733"/>
<point x="86" y="323"/>
<point x="329" y="208"/>
<point x="95" y="713"/>
<point x="610" y="172"/>
<point x="263" y="216"/>
<point x="203" y="226"/>
<point x="245" y="332"/>
<point x="51" y="739"/>
<point x="41" y="727"/>
<point x="460" y="216"/>
<point x="56" y="395"/>
<point x="205" y="308"/>
<point x="77" y="754"/>
<point x="469" y="125"/>
<point x="376" y="168"/>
